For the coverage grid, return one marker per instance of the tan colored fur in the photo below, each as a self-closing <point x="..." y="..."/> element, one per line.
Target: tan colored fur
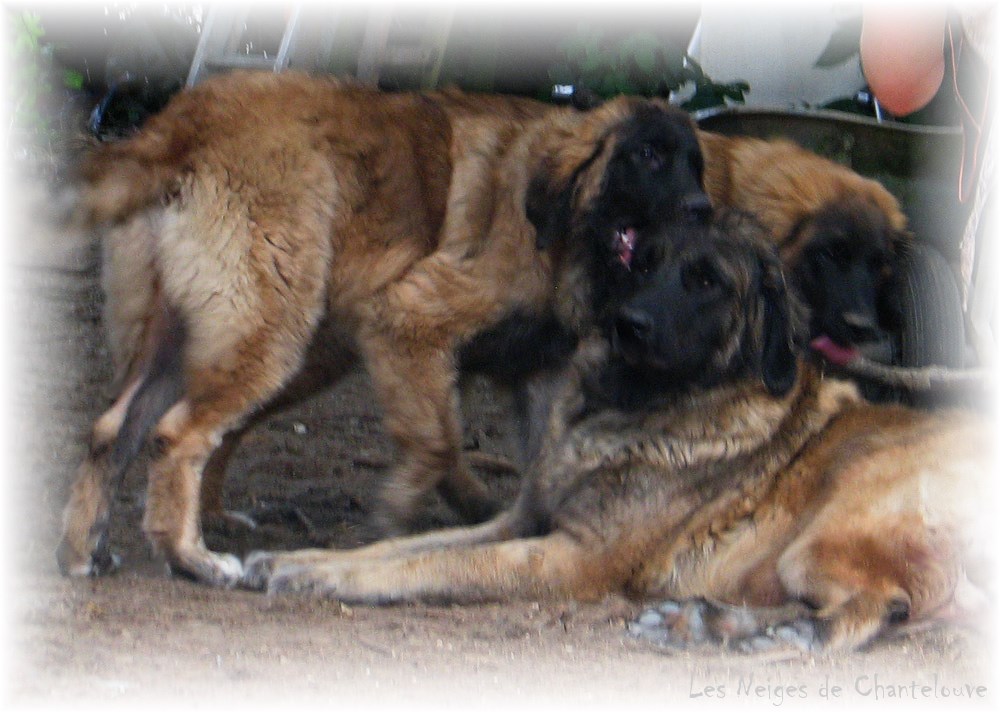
<point x="727" y="493"/>
<point x="783" y="184"/>
<point x="296" y="225"/>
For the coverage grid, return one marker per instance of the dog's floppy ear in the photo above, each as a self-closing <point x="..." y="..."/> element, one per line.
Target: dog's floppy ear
<point x="889" y="305"/>
<point x="564" y="155"/>
<point x="548" y="205"/>
<point x="783" y="316"/>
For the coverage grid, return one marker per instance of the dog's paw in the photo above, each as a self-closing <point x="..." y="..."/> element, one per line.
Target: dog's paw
<point x="226" y="571"/>
<point x="104" y="562"/>
<point x="276" y="573"/>
<point x="796" y="635"/>
<point x="700" y="624"/>
<point x="295" y="573"/>
<point x="205" y="567"/>
<point x="257" y="569"/>
<point x="101" y="562"/>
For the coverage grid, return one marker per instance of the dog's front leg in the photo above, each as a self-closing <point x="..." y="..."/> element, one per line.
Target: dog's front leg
<point x="553" y="566"/>
<point x="506" y="526"/>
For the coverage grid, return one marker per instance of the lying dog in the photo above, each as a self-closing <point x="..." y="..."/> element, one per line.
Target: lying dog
<point x="265" y="233"/>
<point x="839" y="234"/>
<point x="704" y="460"/>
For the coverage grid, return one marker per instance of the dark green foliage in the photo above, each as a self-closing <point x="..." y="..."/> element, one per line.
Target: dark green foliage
<point x="639" y="63"/>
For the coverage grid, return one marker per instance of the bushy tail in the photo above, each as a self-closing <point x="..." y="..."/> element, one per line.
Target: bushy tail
<point x="121" y="178"/>
<point x="115" y="187"/>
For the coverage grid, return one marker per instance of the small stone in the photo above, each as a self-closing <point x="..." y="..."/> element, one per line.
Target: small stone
<point x="669" y="608"/>
<point x="650" y="618"/>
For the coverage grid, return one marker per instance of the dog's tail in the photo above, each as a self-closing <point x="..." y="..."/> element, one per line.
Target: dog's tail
<point x="118" y="179"/>
<point x="121" y="188"/>
<point x="113" y="191"/>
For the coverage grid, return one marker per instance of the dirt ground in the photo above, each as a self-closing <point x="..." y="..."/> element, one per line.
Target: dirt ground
<point x="309" y="477"/>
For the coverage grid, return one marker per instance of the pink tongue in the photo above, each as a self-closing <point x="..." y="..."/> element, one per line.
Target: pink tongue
<point x="833" y="352"/>
<point x="626" y="245"/>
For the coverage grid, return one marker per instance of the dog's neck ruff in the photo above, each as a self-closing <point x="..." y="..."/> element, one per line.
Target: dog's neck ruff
<point x="710" y="425"/>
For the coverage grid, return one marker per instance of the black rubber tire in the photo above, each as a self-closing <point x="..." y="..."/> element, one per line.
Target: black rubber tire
<point x="933" y="324"/>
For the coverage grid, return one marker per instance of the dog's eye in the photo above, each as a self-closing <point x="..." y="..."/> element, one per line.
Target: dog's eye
<point x="836" y="253"/>
<point x="699" y="277"/>
<point x="649" y="156"/>
<point x="878" y="264"/>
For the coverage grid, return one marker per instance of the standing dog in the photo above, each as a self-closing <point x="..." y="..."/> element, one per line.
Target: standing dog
<point x="703" y="460"/>
<point x="266" y="232"/>
<point x="839" y="234"/>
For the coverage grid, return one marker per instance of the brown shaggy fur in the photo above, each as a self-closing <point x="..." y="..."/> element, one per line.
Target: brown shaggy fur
<point x="266" y="232"/>
<point x="729" y="486"/>
<point x="783" y="184"/>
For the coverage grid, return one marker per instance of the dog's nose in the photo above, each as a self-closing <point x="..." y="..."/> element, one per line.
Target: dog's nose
<point x="633" y="328"/>
<point x="697" y="207"/>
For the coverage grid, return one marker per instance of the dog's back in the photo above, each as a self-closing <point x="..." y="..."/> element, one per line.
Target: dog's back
<point x="253" y="208"/>
<point x="261" y="113"/>
<point x="311" y="149"/>
<point x="783" y="183"/>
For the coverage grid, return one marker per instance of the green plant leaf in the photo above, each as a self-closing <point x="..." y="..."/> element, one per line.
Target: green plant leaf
<point x="735" y="90"/>
<point x="641" y="63"/>
<point x="73" y="79"/>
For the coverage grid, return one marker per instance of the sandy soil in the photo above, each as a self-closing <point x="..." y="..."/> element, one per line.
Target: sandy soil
<point x="309" y="475"/>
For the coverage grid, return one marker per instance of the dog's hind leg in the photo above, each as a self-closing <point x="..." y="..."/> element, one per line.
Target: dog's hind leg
<point x="330" y="357"/>
<point x="83" y="549"/>
<point x="862" y="585"/>
<point x="248" y="381"/>
<point x="186" y="438"/>
<point x="189" y="437"/>
<point x="213" y="478"/>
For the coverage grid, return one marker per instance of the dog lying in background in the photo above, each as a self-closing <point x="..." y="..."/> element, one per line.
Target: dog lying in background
<point x="839" y="234"/>
<point x="266" y="234"/>
<point x="694" y="456"/>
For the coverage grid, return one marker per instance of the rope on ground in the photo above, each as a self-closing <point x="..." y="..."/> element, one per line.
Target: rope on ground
<point x="924" y="378"/>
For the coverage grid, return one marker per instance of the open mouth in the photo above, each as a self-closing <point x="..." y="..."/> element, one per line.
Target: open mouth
<point x="834" y="353"/>
<point x="624" y="245"/>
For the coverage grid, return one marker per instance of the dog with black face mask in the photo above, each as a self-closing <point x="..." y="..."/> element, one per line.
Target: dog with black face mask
<point x="840" y="235"/>
<point x="694" y="456"/>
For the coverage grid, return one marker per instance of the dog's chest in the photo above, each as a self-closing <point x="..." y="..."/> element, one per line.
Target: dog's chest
<point x="519" y="345"/>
